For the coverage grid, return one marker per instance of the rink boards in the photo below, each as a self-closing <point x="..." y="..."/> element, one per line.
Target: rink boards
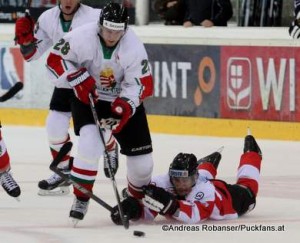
<point x="213" y="82"/>
<point x="179" y="125"/>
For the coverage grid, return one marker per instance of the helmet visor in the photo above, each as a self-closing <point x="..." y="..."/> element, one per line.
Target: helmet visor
<point x="182" y="182"/>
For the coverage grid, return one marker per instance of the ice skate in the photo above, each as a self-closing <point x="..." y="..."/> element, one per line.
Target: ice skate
<point x="250" y="145"/>
<point x="113" y="159"/>
<point x="78" y="210"/>
<point x="10" y="185"/>
<point x="213" y="158"/>
<point x="54" y="185"/>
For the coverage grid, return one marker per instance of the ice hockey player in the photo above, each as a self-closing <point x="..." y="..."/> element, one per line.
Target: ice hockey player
<point x="189" y="193"/>
<point x="294" y="29"/>
<point x="109" y="56"/>
<point x="51" y="26"/>
<point x="7" y="181"/>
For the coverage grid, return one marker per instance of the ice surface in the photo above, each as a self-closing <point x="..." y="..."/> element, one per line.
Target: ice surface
<point x="45" y="219"/>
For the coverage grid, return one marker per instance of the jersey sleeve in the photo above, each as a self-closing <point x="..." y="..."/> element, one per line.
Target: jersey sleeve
<point x="61" y="61"/>
<point x="138" y="82"/>
<point x="42" y="35"/>
<point x="198" y="206"/>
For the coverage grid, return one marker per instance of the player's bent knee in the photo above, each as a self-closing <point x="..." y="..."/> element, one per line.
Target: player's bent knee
<point x="90" y="147"/>
<point x="243" y="199"/>
<point x="57" y="125"/>
<point x="139" y="169"/>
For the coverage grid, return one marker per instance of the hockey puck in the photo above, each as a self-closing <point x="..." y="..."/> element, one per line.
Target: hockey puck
<point x="138" y="233"/>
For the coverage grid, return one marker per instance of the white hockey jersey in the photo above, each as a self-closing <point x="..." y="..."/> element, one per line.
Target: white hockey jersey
<point x="49" y="28"/>
<point x="119" y="71"/>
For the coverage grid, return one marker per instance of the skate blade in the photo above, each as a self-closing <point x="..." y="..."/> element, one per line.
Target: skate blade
<point x="74" y="222"/>
<point x="220" y="149"/>
<point x="18" y="199"/>
<point x="249" y="131"/>
<point x="61" y="191"/>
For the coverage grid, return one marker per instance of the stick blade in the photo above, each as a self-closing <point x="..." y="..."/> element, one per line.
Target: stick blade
<point x="12" y="92"/>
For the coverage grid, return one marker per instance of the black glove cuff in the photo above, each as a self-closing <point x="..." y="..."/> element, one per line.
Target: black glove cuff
<point x="173" y="208"/>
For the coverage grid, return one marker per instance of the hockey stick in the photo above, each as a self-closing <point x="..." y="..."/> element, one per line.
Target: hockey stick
<point x="27" y="9"/>
<point x="12" y="91"/>
<point x="53" y="166"/>
<point x="123" y="217"/>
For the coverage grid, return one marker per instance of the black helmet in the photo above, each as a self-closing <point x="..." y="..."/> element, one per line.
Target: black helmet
<point x="183" y="165"/>
<point x="114" y="16"/>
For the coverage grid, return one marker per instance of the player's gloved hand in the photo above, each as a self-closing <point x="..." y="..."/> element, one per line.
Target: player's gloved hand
<point x="131" y="208"/>
<point x="294" y="29"/>
<point x="159" y="200"/>
<point x="83" y="84"/>
<point x="122" y="109"/>
<point x="24" y="30"/>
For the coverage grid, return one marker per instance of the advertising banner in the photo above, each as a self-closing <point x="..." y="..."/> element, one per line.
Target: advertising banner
<point x="37" y="87"/>
<point x="186" y="80"/>
<point x="260" y="83"/>
<point x="11" y="67"/>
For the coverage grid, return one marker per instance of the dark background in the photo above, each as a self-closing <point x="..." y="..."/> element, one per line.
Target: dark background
<point x="282" y="15"/>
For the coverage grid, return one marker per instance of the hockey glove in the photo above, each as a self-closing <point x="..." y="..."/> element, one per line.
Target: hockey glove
<point x="294" y="29"/>
<point x="83" y="84"/>
<point x="122" y="109"/>
<point x="24" y="31"/>
<point x="159" y="200"/>
<point x="131" y="207"/>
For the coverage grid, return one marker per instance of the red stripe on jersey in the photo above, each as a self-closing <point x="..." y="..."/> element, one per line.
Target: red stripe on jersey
<point x="205" y="209"/>
<point x="147" y="83"/>
<point x="187" y="209"/>
<point x="249" y="183"/>
<point x="84" y="172"/>
<point x="224" y="204"/>
<point x="55" y="63"/>
<point x="209" y="167"/>
<point x="251" y="158"/>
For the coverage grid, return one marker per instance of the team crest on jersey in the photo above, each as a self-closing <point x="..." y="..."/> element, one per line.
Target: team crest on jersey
<point x="199" y="195"/>
<point x="107" y="78"/>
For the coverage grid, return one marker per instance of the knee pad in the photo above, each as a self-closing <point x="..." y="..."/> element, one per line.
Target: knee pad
<point x="139" y="169"/>
<point x="90" y="146"/>
<point x="57" y="125"/>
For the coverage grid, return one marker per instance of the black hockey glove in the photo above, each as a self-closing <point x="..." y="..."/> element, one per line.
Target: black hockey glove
<point x="131" y="207"/>
<point x="159" y="200"/>
<point x="294" y="29"/>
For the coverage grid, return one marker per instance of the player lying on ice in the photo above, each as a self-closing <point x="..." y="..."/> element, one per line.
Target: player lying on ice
<point x="189" y="193"/>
